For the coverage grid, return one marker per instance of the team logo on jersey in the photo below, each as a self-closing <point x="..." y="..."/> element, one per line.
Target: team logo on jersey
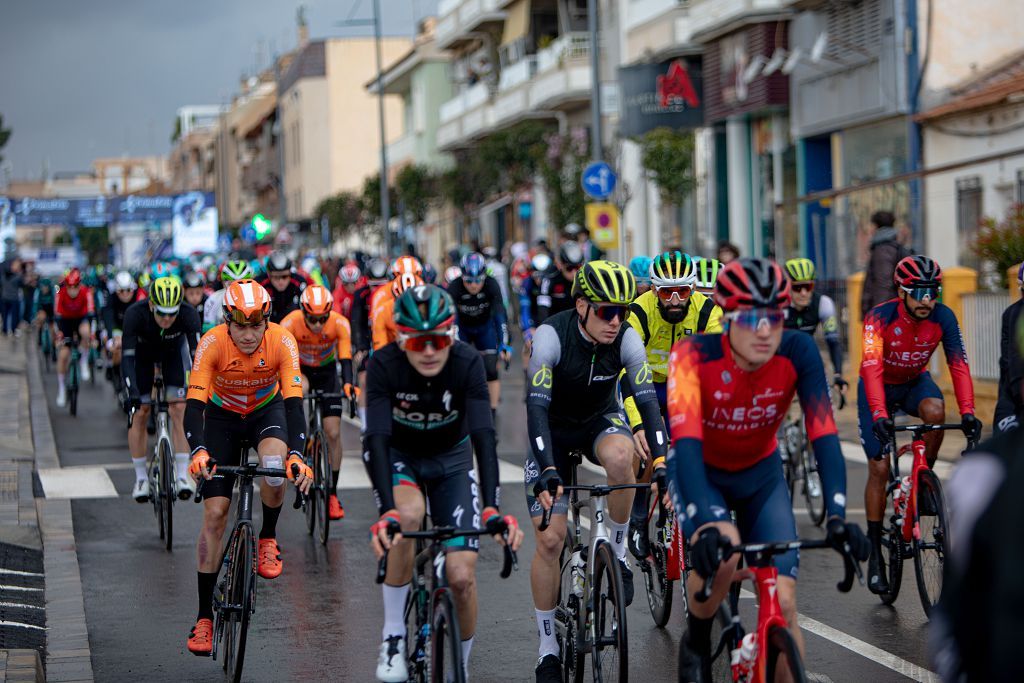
<point x="897" y="330"/>
<point x="263" y="362"/>
<point x="542" y="378"/>
<point x="644" y="375"/>
<point x="726" y="377"/>
<point x="447" y="400"/>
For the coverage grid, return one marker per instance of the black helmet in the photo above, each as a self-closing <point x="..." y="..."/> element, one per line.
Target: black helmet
<point x="278" y="261"/>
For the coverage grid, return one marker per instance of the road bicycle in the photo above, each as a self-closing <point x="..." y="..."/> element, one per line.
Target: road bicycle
<point x="666" y="563"/>
<point x="234" y="599"/>
<point x="161" y="467"/>
<point x="432" y="637"/>
<point x="800" y="466"/>
<point x="317" y="454"/>
<point x="46" y="345"/>
<point x="919" y="523"/>
<point x="771" y="645"/>
<point x="590" y="616"/>
<point x="72" y="383"/>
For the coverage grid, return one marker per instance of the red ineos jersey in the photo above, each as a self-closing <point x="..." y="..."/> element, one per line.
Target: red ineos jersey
<point x="731" y="414"/>
<point x="80" y="306"/>
<point x="897" y="348"/>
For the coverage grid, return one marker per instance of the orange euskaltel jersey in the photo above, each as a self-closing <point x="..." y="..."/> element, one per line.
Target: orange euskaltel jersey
<point x="332" y="342"/>
<point x="224" y="376"/>
<point x="382" y="317"/>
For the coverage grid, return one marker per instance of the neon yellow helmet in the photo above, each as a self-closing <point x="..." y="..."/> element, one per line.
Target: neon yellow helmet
<point x="800" y="269"/>
<point x="604" y="282"/>
<point x="165" y="294"/>
<point x="707" y="272"/>
<point x="673" y="269"/>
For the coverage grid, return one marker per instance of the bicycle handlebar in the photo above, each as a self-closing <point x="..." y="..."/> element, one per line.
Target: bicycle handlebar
<point x="245" y="471"/>
<point x="920" y="428"/>
<point x="510" y="561"/>
<point x="595" y="491"/>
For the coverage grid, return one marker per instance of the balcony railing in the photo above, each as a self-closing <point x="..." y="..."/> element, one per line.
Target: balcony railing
<point x="568" y="46"/>
<point x="402" y="150"/>
<point x="712" y="15"/>
<point x="446" y="7"/>
<point x="518" y="73"/>
<point x="464" y="102"/>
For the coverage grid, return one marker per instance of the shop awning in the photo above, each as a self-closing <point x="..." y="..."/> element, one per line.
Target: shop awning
<point x="517" y="22"/>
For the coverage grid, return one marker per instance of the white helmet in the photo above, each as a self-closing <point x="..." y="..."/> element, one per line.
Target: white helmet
<point x="124" y="281"/>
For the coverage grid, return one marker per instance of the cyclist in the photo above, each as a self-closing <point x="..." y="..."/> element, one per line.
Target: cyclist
<point x="75" y="315"/>
<point x="555" y="293"/>
<point x="480" y="318"/>
<point x="283" y="284"/>
<point x="809" y="308"/>
<point x="213" y="309"/>
<point x="707" y="273"/>
<point x="1010" y="402"/>
<point x="670" y="311"/>
<point x="245" y="388"/>
<point x="406" y="272"/>
<point x="572" y="405"/>
<point x="529" y="291"/>
<point x="325" y="340"/>
<point x="499" y="272"/>
<point x="640" y="266"/>
<point x="429" y="274"/>
<point x="126" y="293"/>
<point x="451" y="274"/>
<point x="350" y="279"/>
<point x="42" y="304"/>
<point x="194" y="286"/>
<point x="376" y="275"/>
<point x="158" y="332"/>
<point x="727" y="395"/>
<point x="900" y="336"/>
<point x="427" y="411"/>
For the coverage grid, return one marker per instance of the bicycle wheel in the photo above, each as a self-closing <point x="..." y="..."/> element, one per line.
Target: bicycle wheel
<point x="239" y="596"/>
<point x="782" y="652"/>
<point x="892" y="554"/>
<point x="609" y="653"/>
<point x="932" y="540"/>
<point x="72" y="387"/>
<point x="655" y="569"/>
<point x="323" y="488"/>
<point x="445" y="642"/>
<point x="814" y="494"/>
<point x="312" y="447"/>
<point x="417" y="631"/>
<point x="92" y="367"/>
<point x="155" y="497"/>
<point x="721" y="636"/>
<point x="568" y="619"/>
<point x="167" y="494"/>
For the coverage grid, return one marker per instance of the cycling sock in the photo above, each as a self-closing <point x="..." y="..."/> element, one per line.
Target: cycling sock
<point x="60" y="382"/>
<point x="546" y="631"/>
<point x="394" y="610"/>
<point x="334" y="481"/>
<point x="467" y="645"/>
<point x="270" y="516"/>
<point x="618" y="537"/>
<point x="181" y="462"/>
<point x="362" y="418"/>
<point x="140" y="469"/>
<point x="207" y="580"/>
<point x="698" y="635"/>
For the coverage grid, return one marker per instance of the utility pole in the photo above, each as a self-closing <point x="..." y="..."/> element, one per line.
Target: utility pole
<point x="282" y="202"/>
<point x="595" y="77"/>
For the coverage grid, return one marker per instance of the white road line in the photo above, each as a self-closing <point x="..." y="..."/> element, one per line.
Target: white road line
<point x="19" y="573"/>
<point x="80" y="482"/>
<point x="353" y="474"/>
<point x="19" y="605"/>
<point x="21" y="625"/>
<point x="20" y="588"/>
<point x="868" y="651"/>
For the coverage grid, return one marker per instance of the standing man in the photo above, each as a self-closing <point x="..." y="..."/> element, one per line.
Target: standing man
<point x="1010" y="403"/>
<point x="886" y="252"/>
<point x="10" y="290"/>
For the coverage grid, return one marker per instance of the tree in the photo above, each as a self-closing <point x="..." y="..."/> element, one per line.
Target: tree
<point x="1002" y="242"/>
<point x="371" y="199"/>
<point x="560" y="161"/>
<point x="344" y="211"/>
<point x="668" y="155"/>
<point x="416" y="188"/>
<point x="5" y="135"/>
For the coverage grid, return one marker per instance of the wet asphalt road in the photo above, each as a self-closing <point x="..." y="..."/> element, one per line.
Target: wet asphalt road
<point x="321" y="619"/>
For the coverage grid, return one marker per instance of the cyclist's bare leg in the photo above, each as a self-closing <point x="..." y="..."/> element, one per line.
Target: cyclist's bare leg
<point x="411" y="508"/>
<point x="272" y="496"/>
<point x="615" y="454"/>
<point x="215" y="519"/>
<point x="494" y="391"/>
<point x="332" y="429"/>
<point x="84" y="338"/>
<point x="933" y="412"/>
<point x="63" y="358"/>
<point x="544" y="569"/>
<point x="176" y="410"/>
<point x="723" y="577"/>
<point x="874" y="489"/>
<point x="462" y="579"/>
<point x="787" y="601"/>
<point x="137" y="434"/>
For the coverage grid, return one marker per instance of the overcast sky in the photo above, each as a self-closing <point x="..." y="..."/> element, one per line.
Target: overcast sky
<point x="81" y="79"/>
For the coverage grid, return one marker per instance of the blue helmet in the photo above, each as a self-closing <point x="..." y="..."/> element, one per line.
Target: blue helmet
<point x="474" y="265"/>
<point x="429" y="274"/>
<point x="640" y="266"/>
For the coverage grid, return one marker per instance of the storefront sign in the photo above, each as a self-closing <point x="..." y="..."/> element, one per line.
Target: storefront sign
<point x="666" y="94"/>
<point x="603" y="224"/>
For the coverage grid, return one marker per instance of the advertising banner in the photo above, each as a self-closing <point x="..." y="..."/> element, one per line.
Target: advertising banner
<point x="94" y="211"/>
<point x="194" y="224"/>
<point x="666" y="94"/>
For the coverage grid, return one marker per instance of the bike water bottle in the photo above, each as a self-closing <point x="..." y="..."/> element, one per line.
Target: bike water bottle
<point x="576" y="567"/>
<point x="742" y="659"/>
<point x="900" y="501"/>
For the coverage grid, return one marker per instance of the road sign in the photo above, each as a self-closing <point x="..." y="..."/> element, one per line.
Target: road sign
<point x="603" y="224"/>
<point x="598" y="180"/>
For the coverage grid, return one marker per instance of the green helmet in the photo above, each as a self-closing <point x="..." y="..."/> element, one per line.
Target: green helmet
<point x="707" y="272"/>
<point x="800" y="269"/>
<point x="604" y="282"/>
<point x="236" y="270"/>
<point x="165" y="294"/>
<point x="423" y="308"/>
<point x="673" y="269"/>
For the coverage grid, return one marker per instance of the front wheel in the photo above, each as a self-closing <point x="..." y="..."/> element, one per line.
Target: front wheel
<point x="610" y="650"/>
<point x="313" y="445"/>
<point x="814" y="494"/>
<point x="239" y="598"/>
<point x="445" y="642"/>
<point x="783" y="653"/>
<point x="931" y="540"/>
<point x="655" y="568"/>
<point x="167" y="492"/>
<point x="323" y="488"/>
<point x="568" y="619"/>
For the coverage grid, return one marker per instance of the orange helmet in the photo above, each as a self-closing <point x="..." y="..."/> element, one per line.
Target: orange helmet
<point x="246" y="303"/>
<point x="316" y="300"/>
<point x="405" y="281"/>
<point x="406" y="264"/>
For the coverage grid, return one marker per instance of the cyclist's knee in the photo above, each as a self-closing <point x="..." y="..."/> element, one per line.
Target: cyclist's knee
<point x="215" y="516"/>
<point x="332" y="428"/>
<point x="143" y="410"/>
<point x="878" y="469"/>
<point x="411" y="511"/>
<point x="616" y="455"/>
<point x="549" y="543"/>
<point x="176" y="410"/>
<point x="932" y="411"/>
<point x="461" y="575"/>
<point x="787" y="598"/>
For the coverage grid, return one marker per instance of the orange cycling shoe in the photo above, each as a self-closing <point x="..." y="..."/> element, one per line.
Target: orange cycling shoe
<point x="200" y="638"/>
<point x="270" y="559"/>
<point x="334" y="508"/>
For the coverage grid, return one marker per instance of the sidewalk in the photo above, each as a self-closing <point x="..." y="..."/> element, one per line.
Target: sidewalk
<point x="42" y="623"/>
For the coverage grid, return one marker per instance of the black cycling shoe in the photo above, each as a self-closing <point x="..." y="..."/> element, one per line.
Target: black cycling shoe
<point x="549" y="669"/>
<point x="692" y="667"/>
<point x="878" y="579"/>
<point x="639" y="545"/>
<point x="627" y="582"/>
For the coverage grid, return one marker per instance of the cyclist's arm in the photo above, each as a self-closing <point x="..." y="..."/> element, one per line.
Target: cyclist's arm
<point x="686" y="472"/>
<point x="812" y="388"/>
<point x="499" y="316"/>
<point x="637" y="319"/>
<point x="872" y="365"/>
<point x="360" y="335"/>
<point x="547" y="350"/>
<point x="480" y="424"/>
<point x="290" y="378"/>
<point x="525" y="317"/>
<point x="377" y="434"/>
<point x="211" y="311"/>
<point x="379" y="333"/>
<point x="714" y="325"/>
<point x="956" y="359"/>
<point x="129" y="344"/>
<point x="344" y="333"/>
<point x="641" y="382"/>
<point x="830" y="326"/>
<point x="199" y="382"/>
<point x="108" y="317"/>
<point x="191" y="328"/>
<point x="543" y="300"/>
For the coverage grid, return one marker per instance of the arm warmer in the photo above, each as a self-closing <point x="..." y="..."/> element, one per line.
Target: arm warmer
<point x="346" y="371"/>
<point x="547" y="350"/>
<point x="195" y="430"/>
<point x="379" y="469"/>
<point x="296" y="420"/>
<point x="485" y="446"/>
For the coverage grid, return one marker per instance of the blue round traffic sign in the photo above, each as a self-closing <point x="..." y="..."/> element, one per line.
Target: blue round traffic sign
<point x="598" y="180"/>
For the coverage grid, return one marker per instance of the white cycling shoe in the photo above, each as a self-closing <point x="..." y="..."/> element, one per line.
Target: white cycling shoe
<point x="86" y="370"/>
<point x="185" y="488"/>
<point x="141" y="491"/>
<point x="391" y="667"/>
<point x="62" y="397"/>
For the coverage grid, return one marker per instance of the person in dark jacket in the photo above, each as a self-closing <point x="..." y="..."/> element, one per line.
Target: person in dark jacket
<point x="1010" y="402"/>
<point x="886" y="252"/>
<point x="10" y="290"/>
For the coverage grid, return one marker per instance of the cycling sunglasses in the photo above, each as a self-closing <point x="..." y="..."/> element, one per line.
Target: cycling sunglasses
<point x="803" y="287"/>
<point x="681" y="292"/>
<point x="922" y="293"/>
<point x="609" y="312"/>
<point x="419" y="342"/>
<point x="317" y="319"/>
<point x="238" y="317"/>
<point x="165" y="313"/>
<point x="756" y="319"/>
<point x="473" y="280"/>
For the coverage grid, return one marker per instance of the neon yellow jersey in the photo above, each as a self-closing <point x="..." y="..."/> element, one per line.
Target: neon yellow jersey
<point x="659" y="335"/>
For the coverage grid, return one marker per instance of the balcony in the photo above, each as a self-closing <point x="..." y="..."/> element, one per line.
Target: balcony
<point x="461" y="18"/>
<point x="709" y="19"/>
<point x="516" y="74"/>
<point x="403" y="150"/>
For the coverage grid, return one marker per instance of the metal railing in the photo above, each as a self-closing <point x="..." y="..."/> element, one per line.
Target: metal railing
<point x="567" y="46"/>
<point x="983" y="313"/>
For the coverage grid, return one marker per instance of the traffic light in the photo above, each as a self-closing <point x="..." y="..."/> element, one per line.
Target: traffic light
<point x="261" y="225"/>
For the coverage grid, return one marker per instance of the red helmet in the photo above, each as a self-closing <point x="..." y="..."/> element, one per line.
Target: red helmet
<point x="751" y="283"/>
<point x="246" y="303"/>
<point x="73" y="278"/>
<point x="349" y="273"/>
<point x="917" y="271"/>
<point x="316" y="300"/>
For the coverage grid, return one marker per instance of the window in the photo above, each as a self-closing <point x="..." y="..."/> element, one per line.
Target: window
<point x="968" y="215"/>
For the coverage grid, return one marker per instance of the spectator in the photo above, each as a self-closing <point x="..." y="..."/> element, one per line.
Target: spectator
<point x="886" y="252"/>
<point x="10" y="289"/>
<point x="1010" y="403"/>
<point x="727" y="251"/>
<point x="591" y="252"/>
<point x="30" y="279"/>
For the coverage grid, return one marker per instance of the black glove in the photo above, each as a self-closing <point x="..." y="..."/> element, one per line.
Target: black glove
<point x="706" y="553"/>
<point x="884" y="428"/>
<point x="839" y="381"/>
<point x="659" y="477"/>
<point x="548" y="481"/>
<point x="971" y="426"/>
<point x="840" y="533"/>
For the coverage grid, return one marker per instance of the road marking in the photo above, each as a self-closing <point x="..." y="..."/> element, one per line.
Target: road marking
<point x="20" y="588"/>
<point x="854" y="452"/>
<point x="353" y="474"/>
<point x="868" y="651"/>
<point x="79" y="482"/>
<point x="18" y="623"/>
<point x="19" y="605"/>
<point x="19" y="573"/>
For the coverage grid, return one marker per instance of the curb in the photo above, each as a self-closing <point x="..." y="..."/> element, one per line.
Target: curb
<point x="68" y="657"/>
